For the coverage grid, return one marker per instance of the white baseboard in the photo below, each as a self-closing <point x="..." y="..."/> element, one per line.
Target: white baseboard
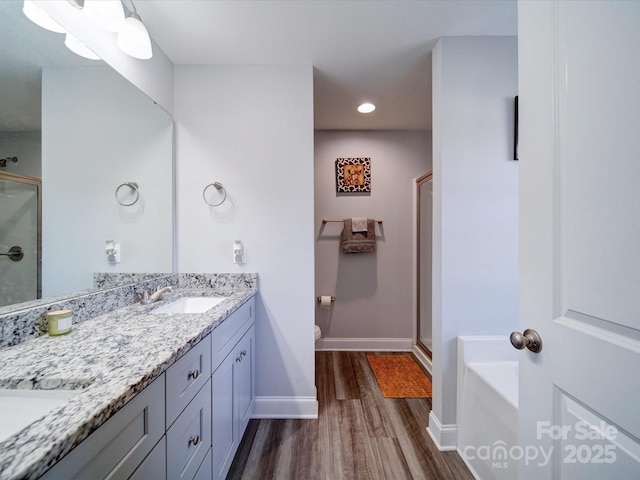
<point x="444" y="436"/>
<point x="365" y="344"/>
<point x="472" y="470"/>
<point x="285" y="407"/>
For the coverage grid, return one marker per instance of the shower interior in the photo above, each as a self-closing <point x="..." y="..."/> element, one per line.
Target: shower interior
<point x="20" y="238"/>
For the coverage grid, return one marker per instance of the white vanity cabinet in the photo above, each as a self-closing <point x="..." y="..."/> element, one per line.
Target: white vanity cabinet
<point x="233" y="386"/>
<point x="187" y="424"/>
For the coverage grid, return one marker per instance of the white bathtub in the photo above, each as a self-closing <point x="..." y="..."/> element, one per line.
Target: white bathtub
<point x="487" y="406"/>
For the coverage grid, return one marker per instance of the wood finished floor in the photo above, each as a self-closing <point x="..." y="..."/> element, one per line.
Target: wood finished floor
<point x="359" y="434"/>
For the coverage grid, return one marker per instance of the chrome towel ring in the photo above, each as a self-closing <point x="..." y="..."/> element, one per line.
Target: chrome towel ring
<point x="218" y="186"/>
<point x="134" y="188"/>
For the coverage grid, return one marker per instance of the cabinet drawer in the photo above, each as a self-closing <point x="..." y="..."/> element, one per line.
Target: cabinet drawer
<point x="189" y="438"/>
<point x="227" y="334"/>
<point x="204" y="472"/>
<point x="186" y="377"/>
<point x="117" y="448"/>
<point x="154" y="466"/>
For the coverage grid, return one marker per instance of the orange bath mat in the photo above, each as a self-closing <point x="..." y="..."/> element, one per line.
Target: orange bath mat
<point x="399" y="376"/>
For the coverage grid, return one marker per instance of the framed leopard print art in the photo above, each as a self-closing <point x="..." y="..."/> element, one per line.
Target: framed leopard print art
<point x="353" y="175"/>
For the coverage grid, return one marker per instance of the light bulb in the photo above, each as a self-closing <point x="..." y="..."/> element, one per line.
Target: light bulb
<point x="134" y="38"/>
<point x="366" y="108"/>
<point x="40" y="17"/>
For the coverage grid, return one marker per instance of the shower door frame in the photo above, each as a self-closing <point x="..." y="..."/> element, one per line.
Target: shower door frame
<point x="14" y="177"/>
<point x="427" y="177"/>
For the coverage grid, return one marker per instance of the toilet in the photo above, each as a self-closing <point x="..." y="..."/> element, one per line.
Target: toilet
<point x="318" y="333"/>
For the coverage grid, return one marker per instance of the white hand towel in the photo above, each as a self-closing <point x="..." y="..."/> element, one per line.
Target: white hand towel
<point x="358" y="224"/>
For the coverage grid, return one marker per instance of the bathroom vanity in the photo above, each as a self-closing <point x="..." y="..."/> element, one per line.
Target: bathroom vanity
<point x="159" y="396"/>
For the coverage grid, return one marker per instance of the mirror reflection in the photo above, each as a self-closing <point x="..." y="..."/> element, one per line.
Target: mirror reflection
<point x="73" y="131"/>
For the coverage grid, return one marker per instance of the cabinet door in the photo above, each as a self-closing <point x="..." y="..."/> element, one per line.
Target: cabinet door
<point x="116" y="449"/>
<point x="243" y="379"/>
<point x="223" y="425"/>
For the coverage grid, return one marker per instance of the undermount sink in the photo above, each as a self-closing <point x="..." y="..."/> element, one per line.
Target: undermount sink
<point x="19" y="407"/>
<point x="190" y="305"/>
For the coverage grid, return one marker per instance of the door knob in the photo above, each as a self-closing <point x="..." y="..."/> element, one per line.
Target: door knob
<point x="529" y="338"/>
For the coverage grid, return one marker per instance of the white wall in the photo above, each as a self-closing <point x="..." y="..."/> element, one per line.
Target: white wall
<point x="99" y="131"/>
<point x="475" y="243"/>
<point x="251" y="128"/>
<point x="374" y="307"/>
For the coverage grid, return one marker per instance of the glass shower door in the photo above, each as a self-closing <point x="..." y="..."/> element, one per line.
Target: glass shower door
<point x="19" y="238"/>
<point x="425" y="222"/>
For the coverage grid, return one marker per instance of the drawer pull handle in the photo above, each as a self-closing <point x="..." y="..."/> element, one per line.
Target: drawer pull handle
<point x="193" y="374"/>
<point x="243" y="353"/>
<point x="194" y="440"/>
<point x="239" y="358"/>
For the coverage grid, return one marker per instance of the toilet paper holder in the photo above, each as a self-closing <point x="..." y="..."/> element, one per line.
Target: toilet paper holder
<point x="333" y="299"/>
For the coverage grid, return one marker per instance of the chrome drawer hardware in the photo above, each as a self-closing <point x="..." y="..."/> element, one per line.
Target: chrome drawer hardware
<point x="193" y="374"/>
<point x="194" y="440"/>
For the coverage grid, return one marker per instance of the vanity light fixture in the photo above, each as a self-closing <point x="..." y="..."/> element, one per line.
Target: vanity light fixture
<point x="40" y="17"/>
<point x="366" y="108"/>
<point x="133" y="37"/>
<point x="106" y="14"/>
<point x="79" y="48"/>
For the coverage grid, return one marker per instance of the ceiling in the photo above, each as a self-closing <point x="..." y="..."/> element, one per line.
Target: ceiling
<point x="374" y="51"/>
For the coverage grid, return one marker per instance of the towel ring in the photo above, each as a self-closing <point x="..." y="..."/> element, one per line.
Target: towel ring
<point x="218" y="186"/>
<point x="134" y="187"/>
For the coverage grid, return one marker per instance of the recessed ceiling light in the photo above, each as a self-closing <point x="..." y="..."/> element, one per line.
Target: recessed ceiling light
<point x="366" y="108"/>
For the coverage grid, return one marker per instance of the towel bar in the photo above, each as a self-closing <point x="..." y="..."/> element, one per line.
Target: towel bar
<point x="324" y="220"/>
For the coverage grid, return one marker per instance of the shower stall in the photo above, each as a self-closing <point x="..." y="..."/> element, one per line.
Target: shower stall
<point x="424" y="212"/>
<point x="20" y="238"/>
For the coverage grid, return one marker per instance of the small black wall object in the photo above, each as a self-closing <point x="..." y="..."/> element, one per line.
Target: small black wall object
<point x="515" y="130"/>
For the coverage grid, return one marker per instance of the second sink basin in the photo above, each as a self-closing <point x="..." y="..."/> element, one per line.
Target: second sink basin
<point x="19" y="408"/>
<point x="190" y="305"/>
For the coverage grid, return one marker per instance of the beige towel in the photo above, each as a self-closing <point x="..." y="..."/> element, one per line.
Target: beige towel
<point x="358" y="224"/>
<point x="360" y="242"/>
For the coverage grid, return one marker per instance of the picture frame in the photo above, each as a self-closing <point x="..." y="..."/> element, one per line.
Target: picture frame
<point x="353" y="175"/>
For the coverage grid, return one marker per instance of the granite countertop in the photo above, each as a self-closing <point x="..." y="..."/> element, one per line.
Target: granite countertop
<point x="108" y="359"/>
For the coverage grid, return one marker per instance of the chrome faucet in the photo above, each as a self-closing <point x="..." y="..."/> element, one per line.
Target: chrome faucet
<point x="155" y="296"/>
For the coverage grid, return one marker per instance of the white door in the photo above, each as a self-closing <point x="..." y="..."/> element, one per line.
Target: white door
<point x="579" y="102"/>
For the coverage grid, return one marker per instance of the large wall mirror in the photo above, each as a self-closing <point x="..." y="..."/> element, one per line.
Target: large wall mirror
<point x="85" y="157"/>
